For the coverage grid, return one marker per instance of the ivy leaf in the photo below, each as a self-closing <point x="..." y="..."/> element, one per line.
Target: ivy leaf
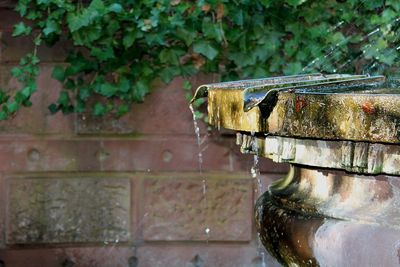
<point x="22" y="7"/>
<point x="53" y="108"/>
<point x="185" y="35"/>
<point x="3" y="97"/>
<point x="129" y="38"/>
<point x="26" y="92"/>
<point x="186" y="85"/>
<point x="58" y="73"/>
<point x="103" y="54"/>
<point x="12" y="107"/>
<point x="106" y="89"/>
<point x="115" y="7"/>
<point x="21" y="29"/>
<point x="77" y="20"/>
<point x="168" y="73"/>
<point x="99" y="109"/>
<point x="16" y="72"/>
<point x="211" y="30"/>
<point x="124" y="85"/>
<point x="171" y="56"/>
<point x="238" y="17"/>
<point x="63" y="99"/>
<point x="141" y="89"/>
<point x="51" y="27"/>
<point x="206" y="49"/>
<point x="122" y="110"/>
<point x="84" y="93"/>
<point x="3" y="115"/>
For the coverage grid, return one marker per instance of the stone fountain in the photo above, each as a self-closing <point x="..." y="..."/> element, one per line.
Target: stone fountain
<point x="339" y="205"/>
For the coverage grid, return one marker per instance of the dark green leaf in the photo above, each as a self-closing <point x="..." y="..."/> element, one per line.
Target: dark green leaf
<point x="16" y="72"/>
<point x="63" y="99"/>
<point x="115" y="7"/>
<point x="3" y="115"/>
<point x="129" y="38"/>
<point x="21" y="29"/>
<point x="12" y="107"/>
<point x="122" y="110"/>
<point x="58" y="73"/>
<point x="51" y="27"/>
<point x="205" y="48"/>
<point x="99" y="109"/>
<point x="53" y="108"/>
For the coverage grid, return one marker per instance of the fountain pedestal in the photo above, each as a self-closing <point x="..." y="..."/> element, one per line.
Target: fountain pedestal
<point x="339" y="204"/>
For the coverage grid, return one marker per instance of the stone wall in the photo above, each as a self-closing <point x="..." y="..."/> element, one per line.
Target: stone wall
<point x="82" y="191"/>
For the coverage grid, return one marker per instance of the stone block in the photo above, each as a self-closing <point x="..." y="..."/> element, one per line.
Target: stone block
<point x="203" y="255"/>
<point x="147" y="154"/>
<point x="49" y="155"/>
<point x="68" y="210"/>
<point x="166" y="153"/>
<point x="2" y="212"/>
<point x="111" y="255"/>
<point x="143" y="256"/>
<point x="217" y="208"/>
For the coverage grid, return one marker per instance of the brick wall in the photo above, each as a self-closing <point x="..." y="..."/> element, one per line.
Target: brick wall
<point x="82" y="191"/>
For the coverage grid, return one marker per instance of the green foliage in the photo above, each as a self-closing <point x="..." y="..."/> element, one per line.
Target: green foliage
<point x="121" y="47"/>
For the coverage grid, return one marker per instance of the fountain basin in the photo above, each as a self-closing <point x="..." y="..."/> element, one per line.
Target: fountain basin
<point x="340" y="133"/>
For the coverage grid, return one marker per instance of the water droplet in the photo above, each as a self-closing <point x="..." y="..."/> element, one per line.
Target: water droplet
<point x="167" y="156"/>
<point x="33" y="154"/>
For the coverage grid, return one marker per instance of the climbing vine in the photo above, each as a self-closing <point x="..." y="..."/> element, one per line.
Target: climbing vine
<point x="119" y="47"/>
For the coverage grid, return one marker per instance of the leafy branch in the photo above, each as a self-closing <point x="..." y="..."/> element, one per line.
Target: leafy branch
<point x="118" y="48"/>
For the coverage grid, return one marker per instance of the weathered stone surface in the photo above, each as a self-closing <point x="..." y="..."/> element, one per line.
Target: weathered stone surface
<point x="210" y="255"/>
<point x="2" y="212"/>
<point x="182" y="209"/>
<point x="150" y="154"/>
<point x="48" y="155"/>
<point x="111" y="255"/>
<point x="339" y="243"/>
<point x="360" y="157"/>
<point x="340" y="195"/>
<point x="62" y="210"/>
<point x="144" y="256"/>
<point x="348" y="116"/>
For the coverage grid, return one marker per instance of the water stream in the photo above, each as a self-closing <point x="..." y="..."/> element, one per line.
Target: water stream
<point x="207" y="230"/>
<point x="255" y="174"/>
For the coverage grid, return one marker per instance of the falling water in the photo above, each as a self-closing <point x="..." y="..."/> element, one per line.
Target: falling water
<point x="380" y="31"/>
<point x="255" y="174"/>
<point x="207" y="229"/>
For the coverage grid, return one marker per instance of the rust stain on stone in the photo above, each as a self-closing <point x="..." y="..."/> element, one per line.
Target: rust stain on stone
<point x="300" y="103"/>
<point x="368" y="107"/>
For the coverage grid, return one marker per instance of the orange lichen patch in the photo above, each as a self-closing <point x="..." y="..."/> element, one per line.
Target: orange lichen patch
<point x="300" y="103"/>
<point x="368" y="107"/>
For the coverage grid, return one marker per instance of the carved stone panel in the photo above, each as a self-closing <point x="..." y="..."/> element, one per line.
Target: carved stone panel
<point x="61" y="210"/>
